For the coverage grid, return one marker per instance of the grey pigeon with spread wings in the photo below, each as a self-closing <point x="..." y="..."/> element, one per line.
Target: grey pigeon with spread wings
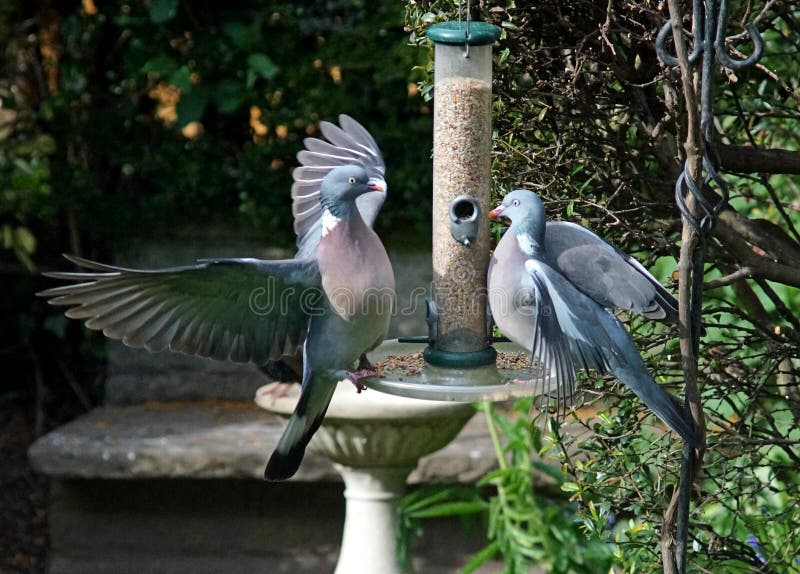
<point x="536" y="303"/>
<point x="349" y="143"/>
<point x="337" y="306"/>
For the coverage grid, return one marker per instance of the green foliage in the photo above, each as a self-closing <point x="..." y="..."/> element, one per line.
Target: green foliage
<point x="434" y="502"/>
<point x="528" y="530"/>
<point x="524" y="528"/>
<point x="160" y="116"/>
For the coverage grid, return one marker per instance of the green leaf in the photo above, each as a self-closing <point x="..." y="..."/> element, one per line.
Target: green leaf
<point x="181" y="79"/>
<point x="228" y="96"/>
<point x="428" y="497"/>
<point x="550" y="470"/>
<point x="260" y="65"/>
<point x="191" y="106"/>
<point x="451" y="509"/>
<point x="428" y="18"/>
<point x="25" y="239"/>
<point x="162" y="11"/>
<point x="243" y="36"/>
<point x="481" y="557"/>
<point x="504" y="56"/>
<point x="160" y="64"/>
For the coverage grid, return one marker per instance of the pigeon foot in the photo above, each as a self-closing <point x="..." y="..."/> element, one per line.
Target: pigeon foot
<point x="356" y="377"/>
<point x="275" y="390"/>
<point x="523" y="381"/>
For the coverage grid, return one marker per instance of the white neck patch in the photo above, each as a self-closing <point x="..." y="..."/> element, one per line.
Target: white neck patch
<point x="525" y="243"/>
<point x="329" y="221"/>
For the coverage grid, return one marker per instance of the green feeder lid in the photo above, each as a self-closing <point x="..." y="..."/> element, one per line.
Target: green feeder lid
<point x="455" y="32"/>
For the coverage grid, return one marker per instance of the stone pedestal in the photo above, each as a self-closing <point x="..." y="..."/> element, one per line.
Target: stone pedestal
<point x="375" y="440"/>
<point x="371" y="496"/>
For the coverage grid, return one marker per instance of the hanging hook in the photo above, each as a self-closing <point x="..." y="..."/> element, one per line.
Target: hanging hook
<point x="666" y="30"/>
<point x="719" y="43"/>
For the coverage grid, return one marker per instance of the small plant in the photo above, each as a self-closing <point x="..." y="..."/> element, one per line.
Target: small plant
<point x="522" y="527"/>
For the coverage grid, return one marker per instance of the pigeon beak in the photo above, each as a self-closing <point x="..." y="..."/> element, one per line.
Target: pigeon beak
<point x="376" y="184"/>
<point x="496" y="212"/>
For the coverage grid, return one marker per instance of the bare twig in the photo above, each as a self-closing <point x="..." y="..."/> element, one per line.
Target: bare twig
<point x="738" y="275"/>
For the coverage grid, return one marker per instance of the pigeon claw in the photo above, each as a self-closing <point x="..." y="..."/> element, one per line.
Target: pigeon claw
<point x="523" y="381"/>
<point x="276" y="390"/>
<point x="356" y="377"/>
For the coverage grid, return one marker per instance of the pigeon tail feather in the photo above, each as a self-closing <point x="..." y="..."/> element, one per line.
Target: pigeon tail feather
<point x="282" y="466"/>
<point x="627" y="365"/>
<point x="304" y="422"/>
<point x="664" y="405"/>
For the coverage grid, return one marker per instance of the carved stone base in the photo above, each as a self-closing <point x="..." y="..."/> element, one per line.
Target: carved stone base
<point x="376" y="440"/>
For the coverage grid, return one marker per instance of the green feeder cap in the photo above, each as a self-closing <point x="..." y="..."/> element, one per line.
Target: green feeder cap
<point x="455" y="32"/>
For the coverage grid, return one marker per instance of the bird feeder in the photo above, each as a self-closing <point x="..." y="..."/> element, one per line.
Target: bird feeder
<point x="460" y="361"/>
<point x="462" y="144"/>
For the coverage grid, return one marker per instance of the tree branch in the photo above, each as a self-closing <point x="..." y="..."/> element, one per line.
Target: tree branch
<point x="762" y="233"/>
<point x="760" y="266"/>
<point x="758" y="315"/>
<point x="745" y="159"/>
<point x="738" y="275"/>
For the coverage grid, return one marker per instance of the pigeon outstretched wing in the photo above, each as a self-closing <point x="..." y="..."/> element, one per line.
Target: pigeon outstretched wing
<point x="609" y="276"/>
<point x="242" y="310"/>
<point x="597" y="338"/>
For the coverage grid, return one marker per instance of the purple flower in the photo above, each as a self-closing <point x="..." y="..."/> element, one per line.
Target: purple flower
<point x="753" y="542"/>
<point x="611" y="520"/>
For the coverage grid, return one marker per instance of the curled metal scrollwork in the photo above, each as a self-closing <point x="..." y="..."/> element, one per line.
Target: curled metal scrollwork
<point x="710" y="22"/>
<point x="719" y="17"/>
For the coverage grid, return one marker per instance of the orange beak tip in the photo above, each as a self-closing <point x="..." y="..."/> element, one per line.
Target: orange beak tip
<point x="376" y="185"/>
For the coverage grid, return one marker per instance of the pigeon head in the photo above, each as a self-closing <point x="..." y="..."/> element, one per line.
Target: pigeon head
<point x="520" y="206"/>
<point x="527" y="215"/>
<point x="343" y="184"/>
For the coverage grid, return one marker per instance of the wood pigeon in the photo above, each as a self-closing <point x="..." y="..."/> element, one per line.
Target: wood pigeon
<point x="347" y="144"/>
<point x="550" y="288"/>
<point x="336" y="306"/>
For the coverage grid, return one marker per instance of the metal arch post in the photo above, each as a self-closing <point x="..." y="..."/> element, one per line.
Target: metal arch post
<point x="710" y="21"/>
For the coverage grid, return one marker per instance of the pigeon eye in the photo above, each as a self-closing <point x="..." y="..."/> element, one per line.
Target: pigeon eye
<point x="351" y="179"/>
<point x="515" y="202"/>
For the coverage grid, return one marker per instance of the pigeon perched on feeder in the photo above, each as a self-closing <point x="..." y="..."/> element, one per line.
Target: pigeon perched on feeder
<point x="553" y="301"/>
<point x="347" y="144"/>
<point x="336" y="305"/>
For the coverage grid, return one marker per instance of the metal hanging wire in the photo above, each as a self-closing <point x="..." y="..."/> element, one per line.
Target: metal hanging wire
<point x="468" y="14"/>
<point x="710" y="22"/>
